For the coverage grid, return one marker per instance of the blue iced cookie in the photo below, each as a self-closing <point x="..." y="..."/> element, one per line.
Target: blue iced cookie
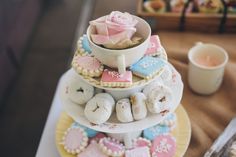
<point x="90" y="132"/>
<point x="151" y="133"/>
<point x="147" y="67"/>
<point x="83" y="45"/>
<point x="169" y="121"/>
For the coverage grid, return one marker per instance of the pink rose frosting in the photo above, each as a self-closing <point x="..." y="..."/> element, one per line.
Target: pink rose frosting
<point x="113" y="28"/>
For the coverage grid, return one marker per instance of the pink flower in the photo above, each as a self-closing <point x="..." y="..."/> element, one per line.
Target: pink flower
<point x="113" y="29"/>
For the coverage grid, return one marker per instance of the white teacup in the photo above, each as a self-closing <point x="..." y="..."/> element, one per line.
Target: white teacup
<point x="206" y="67"/>
<point x="122" y="58"/>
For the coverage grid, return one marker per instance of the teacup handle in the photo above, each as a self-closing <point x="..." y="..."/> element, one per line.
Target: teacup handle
<point x="121" y="64"/>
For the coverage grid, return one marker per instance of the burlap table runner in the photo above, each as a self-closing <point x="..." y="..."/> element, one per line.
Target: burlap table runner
<point x="209" y="115"/>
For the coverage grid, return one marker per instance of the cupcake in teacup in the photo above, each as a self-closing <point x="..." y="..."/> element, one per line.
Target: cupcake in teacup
<point x="119" y="39"/>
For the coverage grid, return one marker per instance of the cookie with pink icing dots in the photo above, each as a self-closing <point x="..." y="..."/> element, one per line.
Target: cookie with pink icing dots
<point x="114" y="79"/>
<point x="87" y="66"/>
<point x="111" y="147"/>
<point x="141" y="142"/>
<point x="74" y="140"/>
<point x="163" y="146"/>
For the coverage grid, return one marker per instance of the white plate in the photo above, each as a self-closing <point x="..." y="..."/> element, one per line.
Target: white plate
<point x="113" y="125"/>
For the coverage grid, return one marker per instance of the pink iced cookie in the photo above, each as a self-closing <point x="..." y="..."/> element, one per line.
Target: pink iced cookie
<point x="154" y="45"/>
<point x="92" y="150"/>
<point x="75" y="140"/>
<point x="163" y="146"/>
<point x="97" y="137"/>
<point x="114" y="79"/>
<point x="87" y="66"/>
<point x="141" y="142"/>
<point x="138" y="152"/>
<point x="111" y="147"/>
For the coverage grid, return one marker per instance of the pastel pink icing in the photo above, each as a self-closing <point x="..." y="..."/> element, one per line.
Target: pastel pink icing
<point x="114" y="76"/>
<point x="141" y="143"/>
<point x="92" y="150"/>
<point x="154" y="45"/>
<point x="112" y="145"/>
<point x="89" y="63"/>
<point x="73" y="139"/>
<point x="97" y="137"/>
<point x="163" y="146"/>
<point x="138" y="152"/>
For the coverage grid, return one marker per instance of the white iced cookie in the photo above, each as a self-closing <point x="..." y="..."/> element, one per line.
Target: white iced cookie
<point x="76" y="90"/>
<point x="139" y="108"/>
<point x="152" y="85"/>
<point x="159" y="99"/>
<point x="99" y="109"/>
<point x="123" y="111"/>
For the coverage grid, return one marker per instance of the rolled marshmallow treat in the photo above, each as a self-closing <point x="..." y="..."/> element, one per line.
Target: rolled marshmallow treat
<point x="123" y="111"/>
<point x="76" y="90"/>
<point x="159" y="99"/>
<point x="139" y="108"/>
<point x="99" y="109"/>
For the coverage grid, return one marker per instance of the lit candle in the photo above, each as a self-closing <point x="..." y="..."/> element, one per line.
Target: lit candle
<point x="207" y="60"/>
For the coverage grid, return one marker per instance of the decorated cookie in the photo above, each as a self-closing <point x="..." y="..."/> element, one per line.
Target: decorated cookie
<point x="163" y="146"/>
<point x="159" y="99"/>
<point x="97" y="138"/>
<point x="138" y="152"/>
<point x="141" y="142"/>
<point x="169" y="121"/>
<point x="123" y="111"/>
<point x="147" y="67"/>
<point x="83" y="45"/>
<point x="90" y="132"/>
<point x="87" y="66"/>
<point x="75" y="140"/>
<point x="152" y="132"/>
<point x="114" y="79"/>
<point x="139" y="108"/>
<point x="166" y="75"/>
<point x="92" y="150"/>
<point x="112" y="147"/>
<point x="155" y="48"/>
<point x="99" y="109"/>
<point x="77" y="91"/>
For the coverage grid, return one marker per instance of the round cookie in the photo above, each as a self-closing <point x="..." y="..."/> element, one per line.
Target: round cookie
<point x="90" y="132"/>
<point x="159" y="99"/>
<point x="139" y="108"/>
<point x="87" y="66"/>
<point x="76" y="90"/>
<point x="111" y="147"/>
<point x="163" y="146"/>
<point x="141" y="142"/>
<point x="123" y="111"/>
<point x="99" y="109"/>
<point x="75" y="140"/>
<point x="152" y="132"/>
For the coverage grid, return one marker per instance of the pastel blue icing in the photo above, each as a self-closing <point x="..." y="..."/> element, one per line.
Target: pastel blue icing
<point x="85" y="44"/>
<point x="170" y="117"/>
<point x="147" y="66"/>
<point x="151" y="133"/>
<point x="90" y="132"/>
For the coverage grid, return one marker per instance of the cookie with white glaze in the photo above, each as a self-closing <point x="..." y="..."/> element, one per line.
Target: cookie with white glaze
<point x="123" y="111"/>
<point x="99" y="109"/>
<point x="159" y="99"/>
<point x="76" y="90"/>
<point x="139" y="108"/>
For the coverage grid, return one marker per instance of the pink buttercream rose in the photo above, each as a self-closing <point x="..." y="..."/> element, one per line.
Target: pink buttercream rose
<point x="113" y="29"/>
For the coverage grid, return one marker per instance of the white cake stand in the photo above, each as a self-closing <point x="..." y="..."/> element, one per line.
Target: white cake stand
<point x="131" y="130"/>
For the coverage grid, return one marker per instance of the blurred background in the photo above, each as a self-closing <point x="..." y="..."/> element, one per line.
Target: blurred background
<point x="38" y="39"/>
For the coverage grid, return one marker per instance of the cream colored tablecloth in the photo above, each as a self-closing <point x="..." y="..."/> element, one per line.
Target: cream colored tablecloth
<point x="209" y="115"/>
